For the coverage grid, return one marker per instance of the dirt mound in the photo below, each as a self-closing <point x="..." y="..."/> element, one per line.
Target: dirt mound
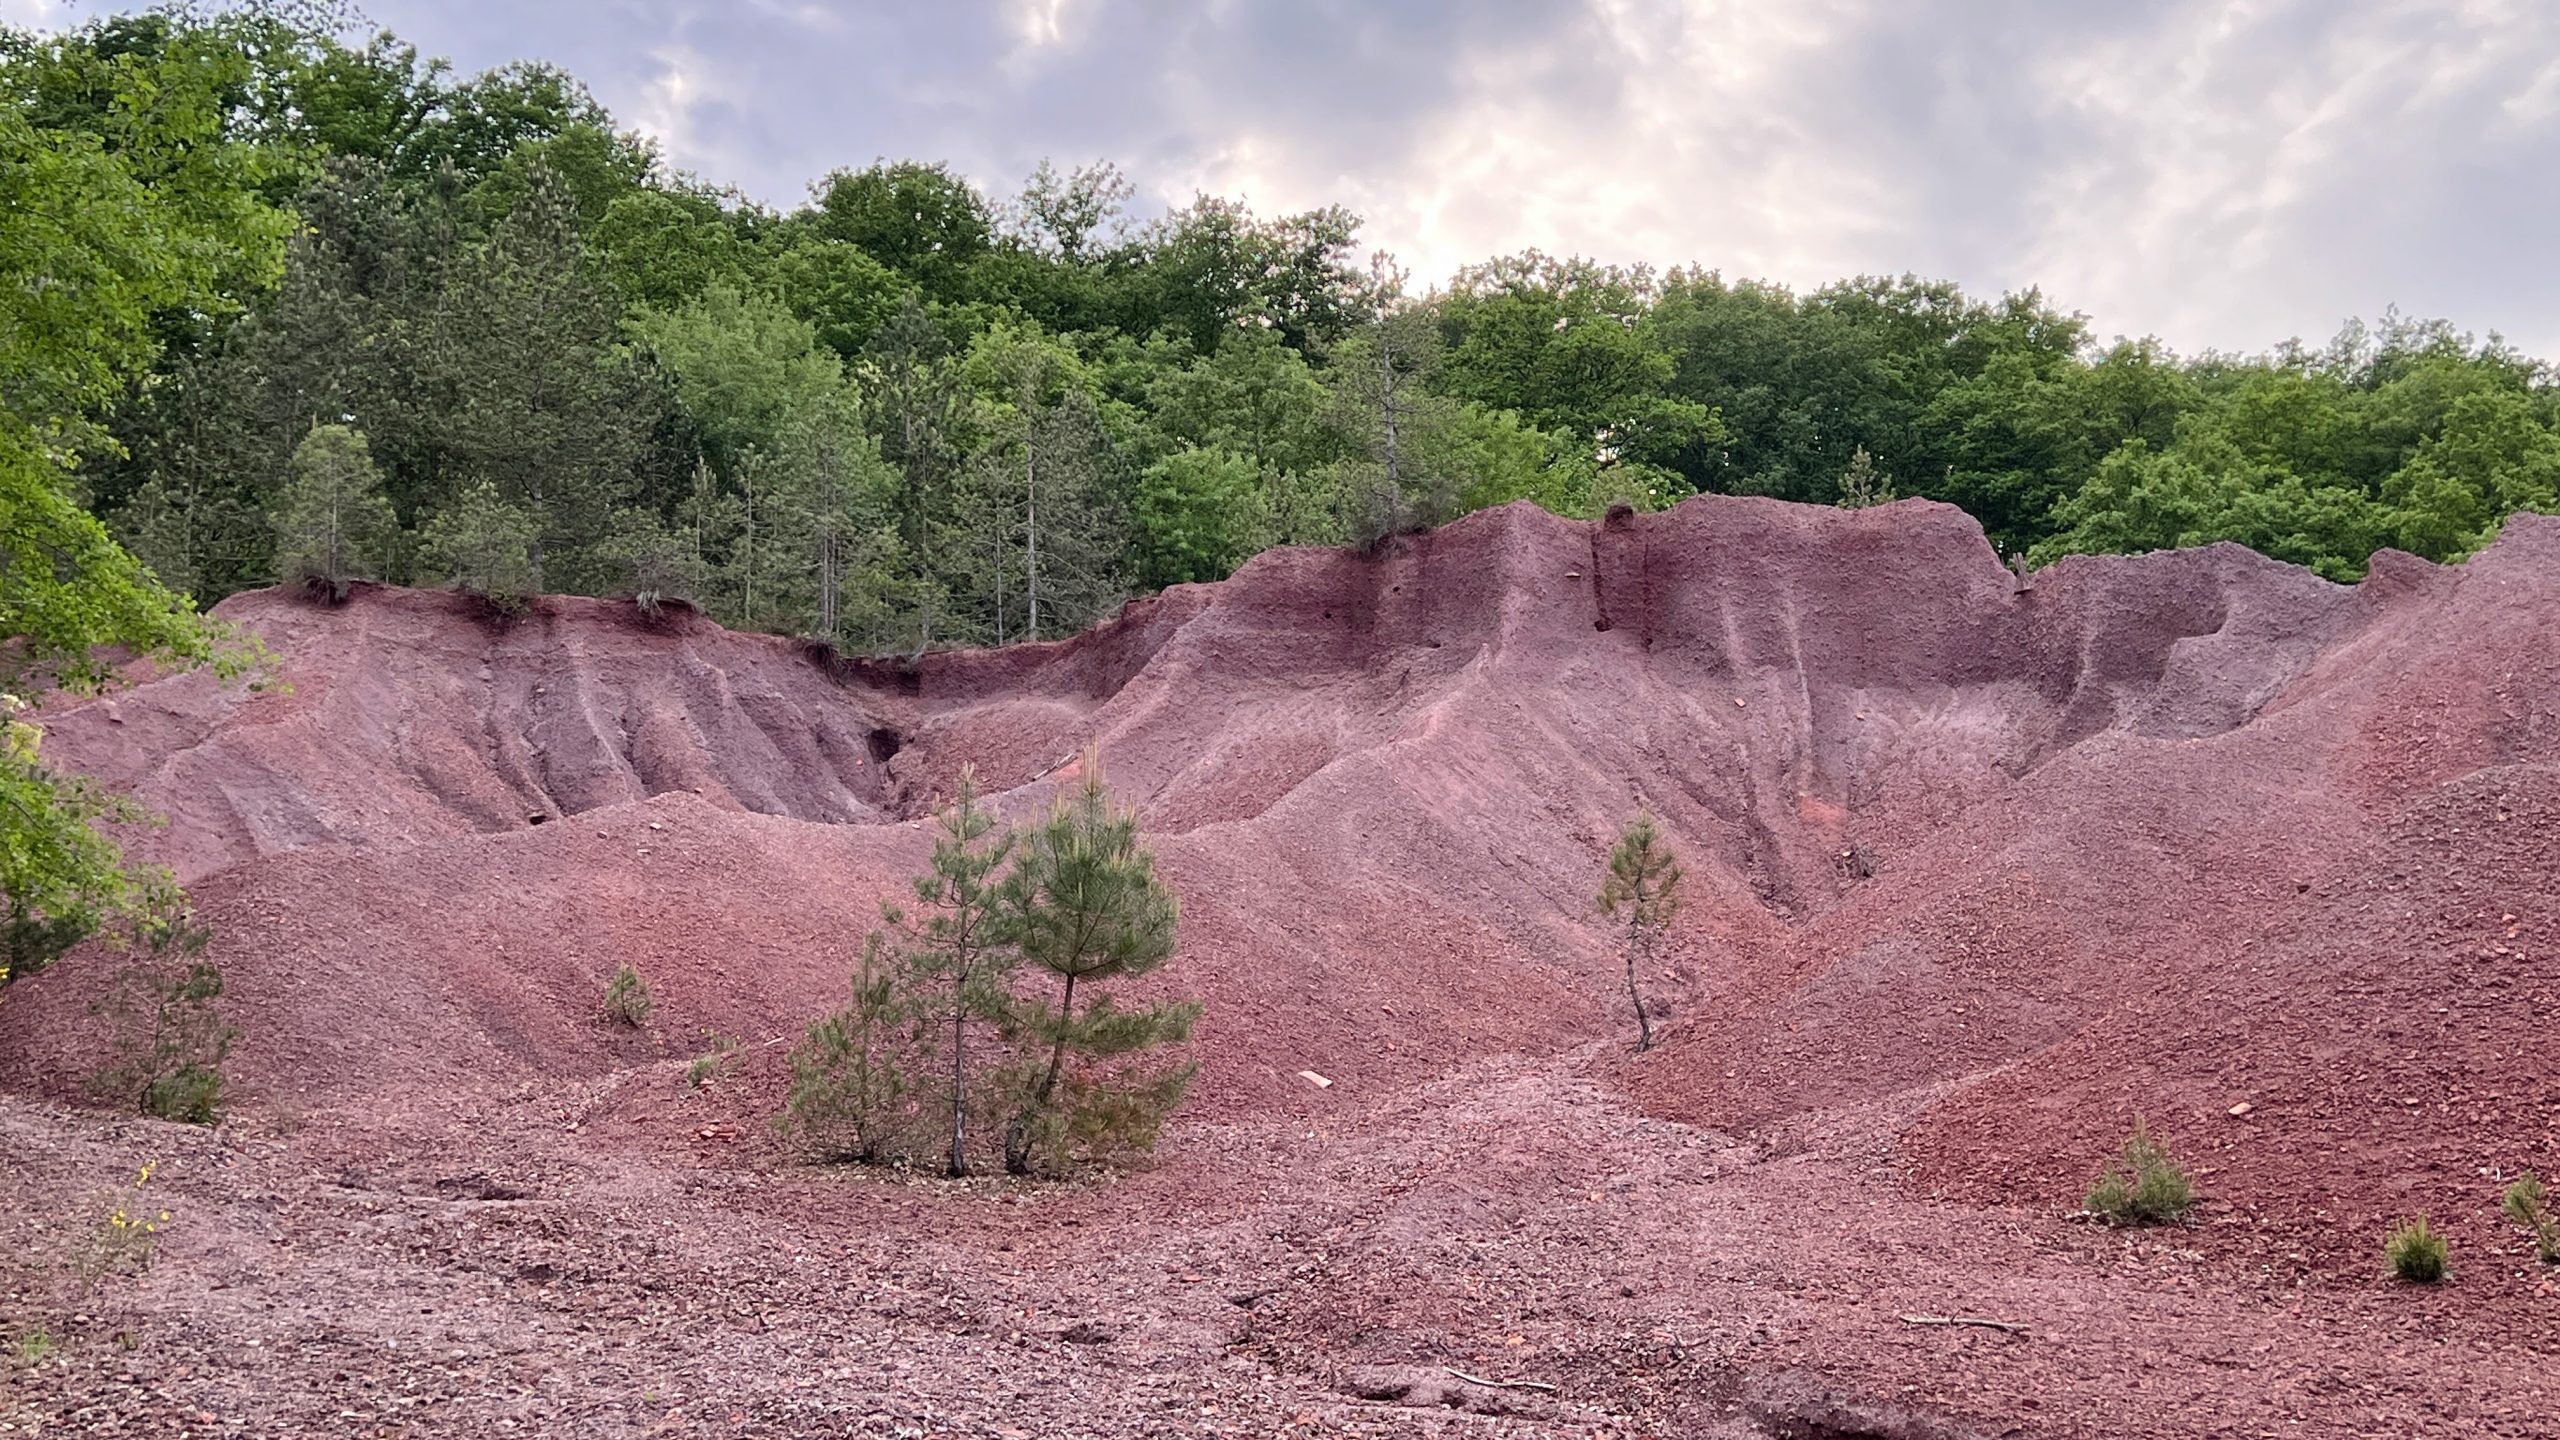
<point x="1979" y="869"/>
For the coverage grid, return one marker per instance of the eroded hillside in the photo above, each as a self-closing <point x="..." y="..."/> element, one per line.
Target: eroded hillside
<point x="1981" y="868"/>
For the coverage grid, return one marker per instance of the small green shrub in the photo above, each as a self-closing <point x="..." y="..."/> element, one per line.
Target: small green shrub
<point x="34" y="1345"/>
<point x="2142" y="1185"/>
<point x="626" y="998"/>
<point x="710" y="1062"/>
<point x="192" y="1095"/>
<point x="2528" y="1206"/>
<point x="2416" y="1252"/>
<point x="854" y="1091"/>
<point x="165" y="1037"/>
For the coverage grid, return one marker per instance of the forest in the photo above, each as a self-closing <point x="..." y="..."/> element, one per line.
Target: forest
<point x="307" y="307"/>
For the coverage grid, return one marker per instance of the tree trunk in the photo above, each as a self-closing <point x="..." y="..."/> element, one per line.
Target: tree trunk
<point x="959" y="1099"/>
<point x="1017" y="1136"/>
<point x="1638" y="945"/>
<point x="1031" y="527"/>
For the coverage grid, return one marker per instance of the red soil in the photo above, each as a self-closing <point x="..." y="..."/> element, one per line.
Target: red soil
<point x="1976" y="875"/>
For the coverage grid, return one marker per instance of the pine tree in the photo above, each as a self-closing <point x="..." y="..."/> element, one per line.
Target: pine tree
<point x="1089" y="909"/>
<point x="165" y="1039"/>
<point x="852" y="1075"/>
<point x="1644" y="886"/>
<point x="483" y="545"/>
<point x="1862" y="485"/>
<point x="1398" y="479"/>
<point x="961" y="946"/>
<point x="541" y="404"/>
<point x="332" y="522"/>
<point x="1038" y="529"/>
<point x="911" y="396"/>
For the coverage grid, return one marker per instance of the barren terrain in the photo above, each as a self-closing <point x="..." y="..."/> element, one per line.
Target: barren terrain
<point x="1979" y="871"/>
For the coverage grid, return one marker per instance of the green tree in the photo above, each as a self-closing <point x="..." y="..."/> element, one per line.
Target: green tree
<point x="332" y="524"/>
<point x="1041" y="503"/>
<point x="541" y="404"/>
<point x="1397" y="478"/>
<point x="913" y="400"/>
<point x="484" y="546"/>
<point x="961" y="945"/>
<point x="1089" y="909"/>
<point x="164" y="1036"/>
<point x="1199" y="514"/>
<point x="923" y="221"/>
<point x="853" y="1075"/>
<point x="132" y="212"/>
<point x="1862" y="485"/>
<point x="1643" y="886"/>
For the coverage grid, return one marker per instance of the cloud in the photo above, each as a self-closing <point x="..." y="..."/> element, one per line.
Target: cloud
<point x="2220" y="172"/>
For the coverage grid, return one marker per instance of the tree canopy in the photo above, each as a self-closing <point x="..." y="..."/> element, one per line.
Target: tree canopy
<point x="916" y="411"/>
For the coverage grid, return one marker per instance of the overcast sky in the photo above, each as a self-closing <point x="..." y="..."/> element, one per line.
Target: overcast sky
<point x="2221" y="173"/>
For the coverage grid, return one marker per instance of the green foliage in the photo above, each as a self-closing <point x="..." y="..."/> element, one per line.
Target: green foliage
<point x="1199" y="514"/>
<point x="2141" y="1185"/>
<point x="484" y="546"/>
<point x="627" y="1000"/>
<point x="1862" y="485"/>
<point x="905" y="414"/>
<point x="2416" y="1252"/>
<point x="854" y="1076"/>
<point x="1089" y="909"/>
<point x="959" y="950"/>
<point x="130" y="205"/>
<point x="34" y="1345"/>
<point x="165" y="1040"/>
<point x="333" y="524"/>
<point x="700" y="1072"/>
<point x="1643" y="885"/>
<point x="2526" y="1204"/>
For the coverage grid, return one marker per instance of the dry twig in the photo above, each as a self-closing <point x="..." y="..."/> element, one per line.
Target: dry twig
<point x="2010" y="1326"/>
<point x="1500" y="1384"/>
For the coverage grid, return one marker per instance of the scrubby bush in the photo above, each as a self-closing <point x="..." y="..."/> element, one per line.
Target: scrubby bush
<point x="853" y="1080"/>
<point x="627" y="1000"/>
<point x="166" y="1041"/>
<point x="2526" y="1204"/>
<point x="710" y="1062"/>
<point x="2142" y="1185"/>
<point x="2416" y="1252"/>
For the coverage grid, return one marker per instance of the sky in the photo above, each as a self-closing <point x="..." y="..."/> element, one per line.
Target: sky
<point x="2218" y="173"/>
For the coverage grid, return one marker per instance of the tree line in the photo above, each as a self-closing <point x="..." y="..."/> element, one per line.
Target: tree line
<point x="906" y="413"/>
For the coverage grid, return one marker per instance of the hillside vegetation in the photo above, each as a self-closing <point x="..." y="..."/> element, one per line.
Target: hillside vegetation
<point x="514" y="348"/>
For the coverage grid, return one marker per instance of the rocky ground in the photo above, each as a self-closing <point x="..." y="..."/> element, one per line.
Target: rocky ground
<point x="1511" y="1251"/>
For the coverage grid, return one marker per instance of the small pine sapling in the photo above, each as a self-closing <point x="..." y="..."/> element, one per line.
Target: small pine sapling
<point x="851" y="1074"/>
<point x="158" y="1009"/>
<point x="627" y="1000"/>
<point x="2142" y="1185"/>
<point x="961" y="949"/>
<point x="2526" y="1204"/>
<point x="1089" y="909"/>
<point x="2416" y="1252"/>
<point x="1643" y="886"/>
<point x="1861" y="485"/>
